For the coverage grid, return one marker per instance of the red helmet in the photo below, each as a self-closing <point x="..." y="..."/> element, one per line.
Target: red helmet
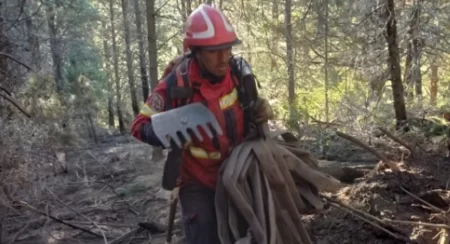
<point x="207" y="27"/>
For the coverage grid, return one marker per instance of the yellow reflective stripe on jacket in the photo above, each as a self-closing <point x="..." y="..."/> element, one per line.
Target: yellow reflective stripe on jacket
<point x="225" y="102"/>
<point x="147" y="111"/>
<point x="202" y="154"/>
<point x="229" y="99"/>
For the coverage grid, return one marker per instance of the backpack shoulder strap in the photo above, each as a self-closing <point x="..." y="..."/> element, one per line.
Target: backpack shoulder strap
<point x="246" y="85"/>
<point x="246" y="82"/>
<point x="179" y="87"/>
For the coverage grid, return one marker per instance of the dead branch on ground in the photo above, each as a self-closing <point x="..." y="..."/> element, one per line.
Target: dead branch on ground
<point x="399" y="141"/>
<point x="16" y="60"/>
<point x="88" y="152"/>
<point x="10" y="99"/>
<point x="365" y="217"/>
<point x="33" y="209"/>
<point x="422" y="201"/>
<point x="18" y="233"/>
<point x="385" y="221"/>
<point x="361" y="144"/>
<point x="369" y="222"/>
<point x="130" y="208"/>
<point x="443" y="237"/>
<point x="80" y="214"/>
<point x="127" y="235"/>
<point x="5" y="90"/>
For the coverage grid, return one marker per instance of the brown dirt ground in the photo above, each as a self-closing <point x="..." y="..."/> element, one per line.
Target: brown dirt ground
<point x="382" y="196"/>
<point x="116" y="185"/>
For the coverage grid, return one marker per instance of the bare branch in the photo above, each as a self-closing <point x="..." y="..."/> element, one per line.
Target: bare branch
<point x="167" y="40"/>
<point x="158" y="9"/>
<point x="14" y="102"/>
<point x="16" y="60"/>
<point x="6" y="91"/>
<point x="29" y="207"/>
<point x="80" y="214"/>
<point x="361" y="144"/>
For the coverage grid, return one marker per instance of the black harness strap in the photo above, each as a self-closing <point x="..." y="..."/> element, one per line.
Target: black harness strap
<point x="186" y="83"/>
<point x="247" y="91"/>
<point x="171" y="81"/>
<point x="181" y="94"/>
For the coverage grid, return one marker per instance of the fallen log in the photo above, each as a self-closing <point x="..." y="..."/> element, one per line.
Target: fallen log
<point x="380" y="156"/>
<point x="398" y="140"/>
<point x="345" y="174"/>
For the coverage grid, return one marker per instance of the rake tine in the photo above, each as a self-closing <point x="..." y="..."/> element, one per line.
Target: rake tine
<point x="174" y="125"/>
<point x="165" y="141"/>
<point x="197" y="134"/>
<point x="177" y="140"/>
<point x="186" y="135"/>
<point x="215" y="125"/>
<point x="207" y="130"/>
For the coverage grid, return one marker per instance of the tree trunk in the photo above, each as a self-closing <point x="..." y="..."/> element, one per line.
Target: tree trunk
<point x="249" y="28"/>
<point x="4" y="46"/>
<point x="109" y="78"/>
<point x="394" y="67"/>
<point x="33" y="41"/>
<point x="417" y="73"/>
<point x="142" y="64"/>
<point x="152" y="49"/>
<point x="153" y="58"/>
<point x="274" y="42"/>
<point x="129" y="55"/>
<point x="327" y="112"/>
<point x="55" y="47"/>
<point x="188" y="7"/>
<point x="91" y="127"/>
<point x="290" y="59"/>
<point x="434" y="81"/>
<point x="413" y="75"/>
<point x="408" y="67"/>
<point x="185" y="9"/>
<point x="116" y="69"/>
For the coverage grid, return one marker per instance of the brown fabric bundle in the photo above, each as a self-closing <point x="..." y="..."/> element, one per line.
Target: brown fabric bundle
<point x="264" y="187"/>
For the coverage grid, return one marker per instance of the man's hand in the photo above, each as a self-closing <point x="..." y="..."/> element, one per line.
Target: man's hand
<point x="262" y="111"/>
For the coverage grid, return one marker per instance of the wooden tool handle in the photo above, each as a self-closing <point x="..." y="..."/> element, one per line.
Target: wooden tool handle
<point x="172" y="212"/>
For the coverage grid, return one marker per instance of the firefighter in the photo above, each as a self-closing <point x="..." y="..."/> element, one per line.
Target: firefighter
<point x="207" y="72"/>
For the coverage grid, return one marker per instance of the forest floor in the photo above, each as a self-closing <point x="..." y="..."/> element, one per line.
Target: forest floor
<point x="108" y="189"/>
<point x="113" y="185"/>
<point x="397" y="202"/>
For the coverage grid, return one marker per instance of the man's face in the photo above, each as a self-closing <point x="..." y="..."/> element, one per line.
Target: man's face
<point x="216" y="61"/>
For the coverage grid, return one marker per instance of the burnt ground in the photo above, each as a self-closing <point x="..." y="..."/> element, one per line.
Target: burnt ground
<point x="112" y="186"/>
<point x="392" y="196"/>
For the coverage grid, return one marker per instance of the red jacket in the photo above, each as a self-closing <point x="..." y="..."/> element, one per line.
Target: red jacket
<point x="172" y="65"/>
<point x="201" y="160"/>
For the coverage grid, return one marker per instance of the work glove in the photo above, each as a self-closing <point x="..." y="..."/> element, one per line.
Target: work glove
<point x="262" y="111"/>
<point x="149" y="136"/>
